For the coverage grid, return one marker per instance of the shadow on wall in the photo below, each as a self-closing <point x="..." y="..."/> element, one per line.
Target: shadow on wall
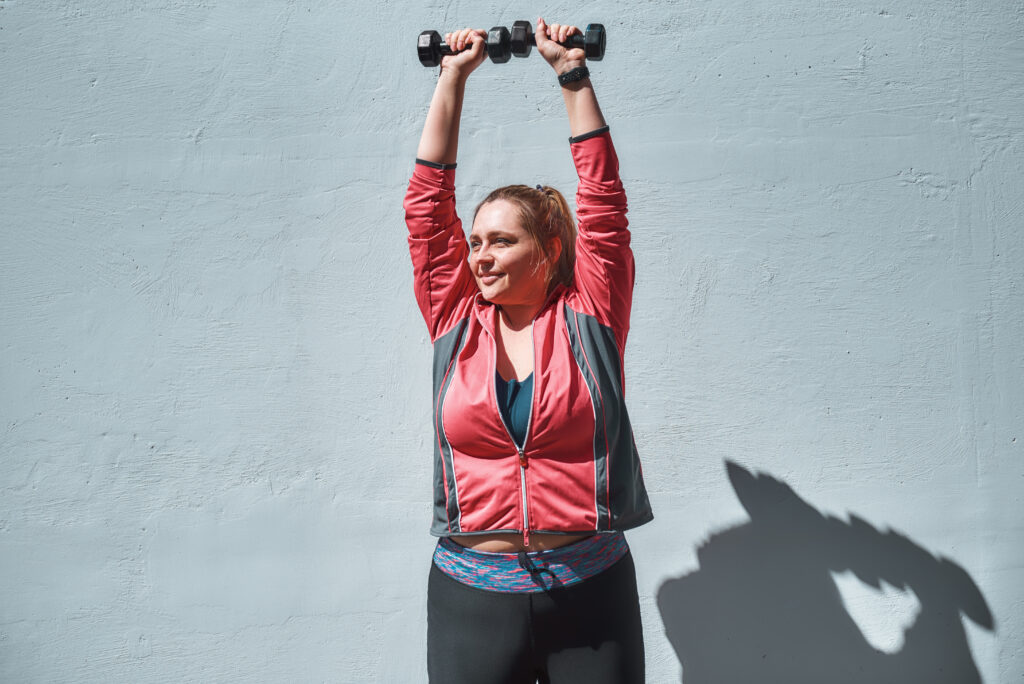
<point x="764" y="607"/>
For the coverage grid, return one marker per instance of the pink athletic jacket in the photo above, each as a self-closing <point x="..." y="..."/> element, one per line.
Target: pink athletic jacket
<point x="579" y="470"/>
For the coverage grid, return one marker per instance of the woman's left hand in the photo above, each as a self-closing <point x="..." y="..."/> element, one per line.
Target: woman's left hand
<point x="561" y="58"/>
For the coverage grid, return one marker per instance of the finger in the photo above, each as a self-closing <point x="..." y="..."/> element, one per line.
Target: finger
<point x="540" y="36"/>
<point x="456" y="43"/>
<point x="475" y="41"/>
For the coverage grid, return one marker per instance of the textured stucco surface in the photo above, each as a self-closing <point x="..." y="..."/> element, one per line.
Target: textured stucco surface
<point x="214" y="382"/>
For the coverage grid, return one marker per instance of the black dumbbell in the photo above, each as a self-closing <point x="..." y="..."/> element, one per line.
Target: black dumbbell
<point x="431" y="48"/>
<point x="592" y="40"/>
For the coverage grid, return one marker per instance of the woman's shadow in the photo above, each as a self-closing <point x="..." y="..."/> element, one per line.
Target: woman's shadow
<point x="763" y="607"/>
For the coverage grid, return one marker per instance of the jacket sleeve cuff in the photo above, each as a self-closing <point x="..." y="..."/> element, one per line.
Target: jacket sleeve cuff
<point x="430" y="177"/>
<point x="435" y="165"/>
<point x="586" y="136"/>
<point x="595" y="159"/>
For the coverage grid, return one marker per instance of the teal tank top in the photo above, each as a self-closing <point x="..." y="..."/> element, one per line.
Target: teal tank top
<point x="514" y="400"/>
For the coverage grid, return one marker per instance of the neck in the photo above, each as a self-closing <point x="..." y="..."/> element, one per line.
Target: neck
<point x="519" y="316"/>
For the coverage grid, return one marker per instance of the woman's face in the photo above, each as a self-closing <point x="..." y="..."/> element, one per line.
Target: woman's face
<point x="507" y="264"/>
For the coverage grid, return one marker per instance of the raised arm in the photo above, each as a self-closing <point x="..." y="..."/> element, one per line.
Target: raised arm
<point x="580" y="101"/>
<point x="604" y="261"/>
<point x="439" y="142"/>
<point x="437" y="244"/>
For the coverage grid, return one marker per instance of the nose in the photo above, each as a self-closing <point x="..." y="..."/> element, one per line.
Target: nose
<point x="482" y="255"/>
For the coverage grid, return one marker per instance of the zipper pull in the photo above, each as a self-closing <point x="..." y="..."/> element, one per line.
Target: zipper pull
<point x="523" y="463"/>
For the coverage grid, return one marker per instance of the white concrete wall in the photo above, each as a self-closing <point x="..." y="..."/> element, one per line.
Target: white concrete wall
<point x="215" y="417"/>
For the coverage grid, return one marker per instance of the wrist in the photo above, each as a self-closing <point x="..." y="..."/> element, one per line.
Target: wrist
<point x="568" y="65"/>
<point x="453" y="75"/>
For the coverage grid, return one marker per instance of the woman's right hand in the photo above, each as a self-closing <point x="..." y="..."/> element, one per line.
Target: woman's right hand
<point x="470" y="53"/>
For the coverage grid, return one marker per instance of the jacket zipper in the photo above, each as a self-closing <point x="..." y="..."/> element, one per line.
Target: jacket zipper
<point x="522" y="484"/>
<point x="521" y="450"/>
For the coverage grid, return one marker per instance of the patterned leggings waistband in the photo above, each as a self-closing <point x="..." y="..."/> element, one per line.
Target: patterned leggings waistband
<point x="530" y="571"/>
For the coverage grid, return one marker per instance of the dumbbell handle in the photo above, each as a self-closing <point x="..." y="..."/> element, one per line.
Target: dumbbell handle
<point x="447" y="51"/>
<point x="574" y="41"/>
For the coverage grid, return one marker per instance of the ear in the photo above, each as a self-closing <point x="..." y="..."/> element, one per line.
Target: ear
<point x="555" y="249"/>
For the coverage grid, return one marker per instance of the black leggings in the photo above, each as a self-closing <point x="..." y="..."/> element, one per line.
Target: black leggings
<point x="588" y="632"/>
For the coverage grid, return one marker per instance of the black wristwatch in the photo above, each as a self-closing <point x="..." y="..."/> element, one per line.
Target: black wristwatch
<point x="573" y="75"/>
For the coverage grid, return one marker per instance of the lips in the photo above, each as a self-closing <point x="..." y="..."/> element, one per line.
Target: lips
<point x="490" y="278"/>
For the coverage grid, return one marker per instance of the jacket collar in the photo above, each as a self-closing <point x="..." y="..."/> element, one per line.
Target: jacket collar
<point x="487" y="313"/>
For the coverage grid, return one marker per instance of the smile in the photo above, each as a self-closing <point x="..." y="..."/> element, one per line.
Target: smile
<point x="490" y="278"/>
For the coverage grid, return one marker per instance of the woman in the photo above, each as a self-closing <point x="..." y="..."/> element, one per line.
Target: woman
<point x="536" y="474"/>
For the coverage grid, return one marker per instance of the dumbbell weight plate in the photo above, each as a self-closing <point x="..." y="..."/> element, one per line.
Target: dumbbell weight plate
<point x="428" y="47"/>
<point x="499" y="45"/>
<point x="594" y="42"/>
<point x="522" y="38"/>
